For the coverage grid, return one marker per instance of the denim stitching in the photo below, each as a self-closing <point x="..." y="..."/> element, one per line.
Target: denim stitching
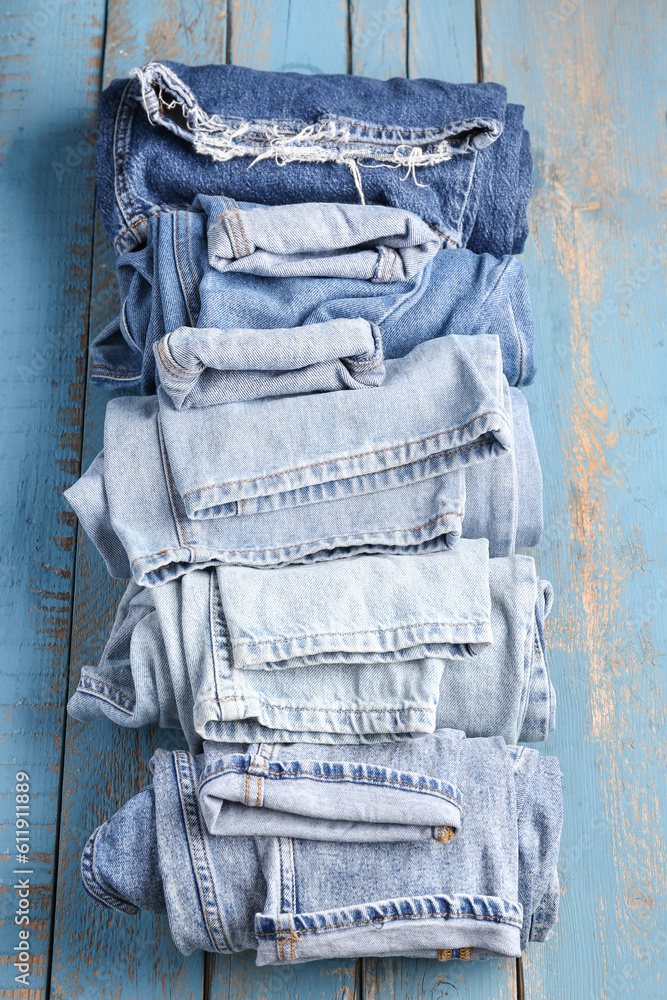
<point x="365" y="631"/>
<point x="403" y="916"/>
<point x="347" y="458"/>
<point x="366" y="709"/>
<point x="171" y="486"/>
<point x="182" y="762"/>
<point x="365" y="779"/>
<point x="333" y="538"/>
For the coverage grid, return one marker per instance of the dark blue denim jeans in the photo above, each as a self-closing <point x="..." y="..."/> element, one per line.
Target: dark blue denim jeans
<point x="457" y="155"/>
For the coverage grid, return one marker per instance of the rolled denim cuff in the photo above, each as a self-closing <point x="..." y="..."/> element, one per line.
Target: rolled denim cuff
<point x="114" y="873"/>
<point x="384" y="928"/>
<point x="200" y="367"/>
<point x="356" y="794"/>
<point x="315" y="240"/>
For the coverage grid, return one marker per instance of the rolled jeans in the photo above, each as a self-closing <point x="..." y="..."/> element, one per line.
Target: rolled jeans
<point x="473" y="876"/>
<point x="231" y="266"/>
<point x="456" y="155"/>
<point x="296" y="479"/>
<point x="361" y="650"/>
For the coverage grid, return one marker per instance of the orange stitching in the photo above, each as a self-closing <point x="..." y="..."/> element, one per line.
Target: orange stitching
<point x="403" y="916"/>
<point x="247" y="787"/>
<point x="348" y="458"/>
<point x="333" y="538"/>
<point x="444" y="955"/>
<point x="350" y="777"/>
<point x="238" y="215"/>
<point x="465" y="954"/>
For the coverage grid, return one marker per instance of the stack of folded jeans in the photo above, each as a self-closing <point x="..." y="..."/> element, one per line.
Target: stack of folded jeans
<point x="318" y="498"/>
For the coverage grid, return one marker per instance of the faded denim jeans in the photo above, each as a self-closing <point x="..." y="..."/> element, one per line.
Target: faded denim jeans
<point x="357" y="650"/>
<point x="456" y="155"/>
<point x="295" y="479"/>
<point x="230" y="267"/>
<point x="474" y="878"/>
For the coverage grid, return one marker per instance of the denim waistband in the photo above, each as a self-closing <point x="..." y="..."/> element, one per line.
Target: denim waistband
<point x="171" y="283"/>
<point x="456" y="155"/>
<point x="169" y="659"/>
<point x="489" y="889"/>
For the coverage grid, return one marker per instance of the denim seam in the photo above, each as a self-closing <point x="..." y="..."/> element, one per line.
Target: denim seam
<point x="519" y="339"/>
<point x="120" y="146"/>
<point x="122" y="702"/>
<point x="469" y="189"/>
<point x="348" y="458"/>
<point x="360" y="475"/>
<point x="177" y="260"/>
<point x="337" y="779"/>
<point x="400" y="916"/>
<point x="171" y="488"/>
<point x="277" y="548"/>
<point x="197" y="837"/>
<point x="358" y="709"/>
<point x="365" y="631"/>
<point x="97" y="890"/>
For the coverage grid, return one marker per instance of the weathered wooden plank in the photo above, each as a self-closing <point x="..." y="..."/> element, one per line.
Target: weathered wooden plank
<point x="593" y="80"/>
<point x="442" y="40"/>
<point x="379" y="38"/>
<point x="95" y="953"/>
<point x="46" y="206"/>
<point x="298" y="36"/>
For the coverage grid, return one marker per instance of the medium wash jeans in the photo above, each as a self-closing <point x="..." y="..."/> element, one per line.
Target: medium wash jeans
<point x="229" y="268"/>
<point x="394" y="646"/>
<point x="456" y="155"/>
<point x="303" y="478"/>
<point x="476" y="878"/>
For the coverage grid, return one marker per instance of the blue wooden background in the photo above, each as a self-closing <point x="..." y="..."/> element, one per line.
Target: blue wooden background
<point x="591" y="74"/>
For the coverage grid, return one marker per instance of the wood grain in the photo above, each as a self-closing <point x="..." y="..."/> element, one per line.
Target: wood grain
<point x="592" y="77"/>
<point x="96" y="953"/>
<point x="46" y="205"/>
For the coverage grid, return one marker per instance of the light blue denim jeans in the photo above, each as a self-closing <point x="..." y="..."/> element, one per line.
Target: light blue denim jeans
<point x="206" y="367"/>
<point x="476" y="878"/>
<point x="301" y="478"/>
<point x="455" y="154"/>
<point x="229" y="266"/>
<point x="358" y="650"/>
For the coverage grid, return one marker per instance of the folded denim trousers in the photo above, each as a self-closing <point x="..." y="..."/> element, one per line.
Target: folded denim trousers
<point x="482" y="886"/>
<point x="230" y="266"/>
<point x="358" y="650"/>
<point x="457" y="155"/>
<point x="304" y="478"/>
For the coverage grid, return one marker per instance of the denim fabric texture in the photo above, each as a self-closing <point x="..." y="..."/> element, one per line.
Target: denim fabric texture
<point x="378" y="264"/>
<point x="190" y="652"/>
<point x="206" y="367"/>
<point x="485" y="891"/>
<point x="283" y="480"/>
<point x="456" y="155"/>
